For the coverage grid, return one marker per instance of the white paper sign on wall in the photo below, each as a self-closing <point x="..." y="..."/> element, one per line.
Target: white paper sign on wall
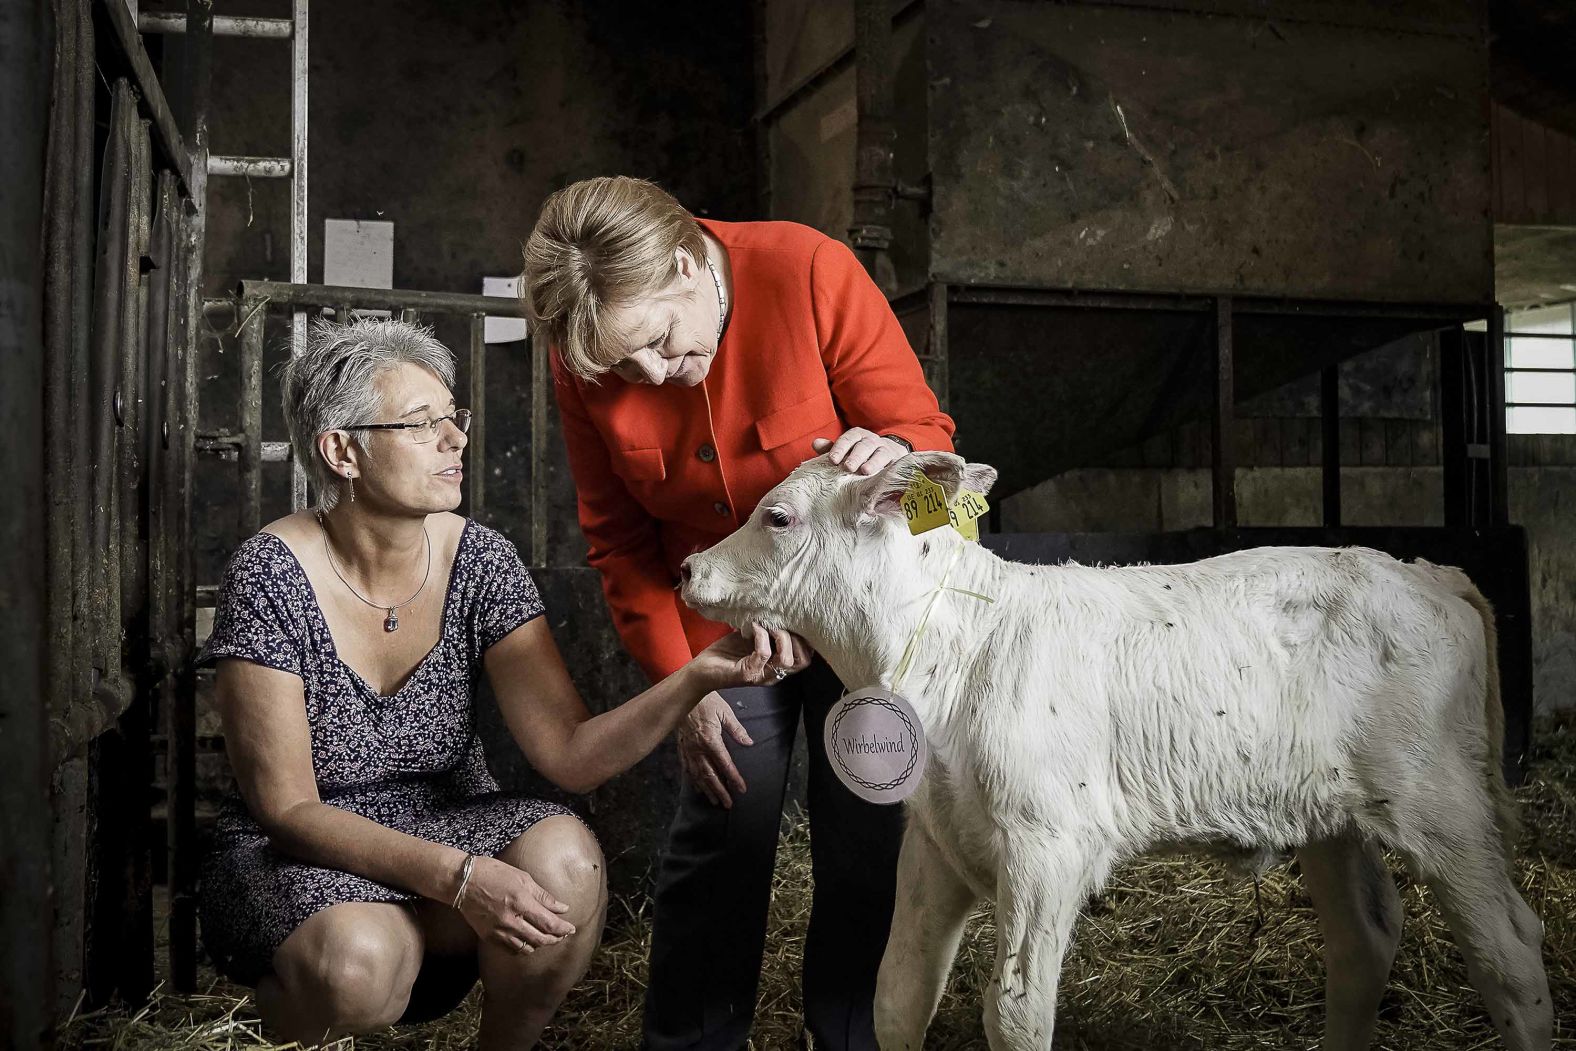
<point x="503" y="329"/>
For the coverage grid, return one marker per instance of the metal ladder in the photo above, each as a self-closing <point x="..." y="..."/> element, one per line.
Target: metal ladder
<point x="293" y="168"/>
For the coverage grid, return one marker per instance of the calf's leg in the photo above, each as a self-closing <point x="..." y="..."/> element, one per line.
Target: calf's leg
<point x="1042" y="883"/>
<point x="932" y="906"/>
<point x="1360" y="917"/>
<point x="1457" y="849"/>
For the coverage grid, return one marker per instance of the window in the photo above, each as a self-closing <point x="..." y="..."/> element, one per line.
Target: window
<point x="1540" y="373"/>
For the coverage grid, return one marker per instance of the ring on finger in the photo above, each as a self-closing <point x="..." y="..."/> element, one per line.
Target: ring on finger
<point x="780" y="673"/>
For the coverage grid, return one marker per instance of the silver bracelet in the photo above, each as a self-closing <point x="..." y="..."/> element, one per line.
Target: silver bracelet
<point x="465" y="879"/>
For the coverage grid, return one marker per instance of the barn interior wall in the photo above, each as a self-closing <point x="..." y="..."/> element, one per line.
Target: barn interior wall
<point x="1395" y="490"/>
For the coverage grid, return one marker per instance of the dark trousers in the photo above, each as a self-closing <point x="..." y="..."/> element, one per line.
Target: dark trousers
<point x="714" y="885"/>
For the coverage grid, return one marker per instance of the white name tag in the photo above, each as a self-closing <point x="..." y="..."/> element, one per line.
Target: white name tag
<point x="876" y="745"/>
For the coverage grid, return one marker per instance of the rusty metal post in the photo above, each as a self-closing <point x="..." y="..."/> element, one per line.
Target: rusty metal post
<point x="1330" y="435"/>
<point x="73" y="271"/>
<point x="29" y="534"/>
<point x="120" y="942"/>
<point x="254" y="317"/>
<point x="875" y="173"/>
<point x="181" y="718"/>
<point x="110" y="689"/>
<point x="129" y="399"/>
<point x="478" y="444"/>
<point x="61" y="207"/>
<point x="1223" y="456"/>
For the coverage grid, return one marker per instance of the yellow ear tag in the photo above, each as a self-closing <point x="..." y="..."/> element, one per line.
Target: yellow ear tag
<point x="966" y="511"/>
<point x="925" y="505"/>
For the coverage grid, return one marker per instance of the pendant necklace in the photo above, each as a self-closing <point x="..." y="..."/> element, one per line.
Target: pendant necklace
<point x="722" y="298"/>
<point x="391" y="618"/>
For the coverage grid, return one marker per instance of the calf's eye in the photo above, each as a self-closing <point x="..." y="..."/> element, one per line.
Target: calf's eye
<point x="777" y="518"/>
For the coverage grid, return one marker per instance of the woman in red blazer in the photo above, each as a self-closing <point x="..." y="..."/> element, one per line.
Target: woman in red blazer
<point x="696" y="364"/>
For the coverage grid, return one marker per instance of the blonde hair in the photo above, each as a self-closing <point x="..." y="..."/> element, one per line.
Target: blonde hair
<point x="599" y="244"/>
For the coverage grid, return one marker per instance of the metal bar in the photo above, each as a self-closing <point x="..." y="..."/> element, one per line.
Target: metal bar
<point x="1330" y="434"/>
<point x="223" y="25"/>
<point x="29" y="533"/>
<point x="251" y="418"/>
<point x="1494" y="415"/>
<point x="252" y="167"/>
<point x="119" y="957"/>
<point x="133" y="970"/>
<point x="166" y="132"/>
<point x="286" y="294"/>
<point x="181" y="718"/>
<point x="76" y="116"/>
<point x="541" y="386"/>
<point x="61" y="206"/>
<point x="478" y="434"/>
<point x="1445" y="313"/>
<point x="130" y="398"/>
<point x="1223" y="458"/>
<point x="298" y="203"/>
<point x="109" y="304"/>
<point x="1059" y="297"/>
<point x="1452" y="425"/>
<point x="84" y="557"/>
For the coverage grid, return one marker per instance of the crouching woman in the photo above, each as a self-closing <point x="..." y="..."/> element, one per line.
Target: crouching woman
<point x="368" y="869"/>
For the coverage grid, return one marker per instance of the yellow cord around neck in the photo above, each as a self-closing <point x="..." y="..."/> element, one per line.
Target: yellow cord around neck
<point x="909" y="650"/>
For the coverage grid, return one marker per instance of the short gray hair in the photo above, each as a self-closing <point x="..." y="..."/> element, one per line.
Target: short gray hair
<point x="332" y="385"/>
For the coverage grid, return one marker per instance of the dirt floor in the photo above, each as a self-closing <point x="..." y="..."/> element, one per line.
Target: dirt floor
<point x="1176" y="954"/>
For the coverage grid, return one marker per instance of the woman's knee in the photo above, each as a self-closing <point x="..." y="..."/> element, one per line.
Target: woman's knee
<point x="357" y="969"/>
<point x="562" y="855"/>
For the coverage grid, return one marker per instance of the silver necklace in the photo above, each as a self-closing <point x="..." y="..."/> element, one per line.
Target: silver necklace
<point x="722" y="297"/>
<point x="391" y="620"/>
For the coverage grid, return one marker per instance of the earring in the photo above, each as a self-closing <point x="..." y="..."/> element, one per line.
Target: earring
<point x="351" y="483"/>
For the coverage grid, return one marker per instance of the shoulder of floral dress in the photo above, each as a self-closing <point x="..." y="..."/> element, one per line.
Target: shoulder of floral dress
<point x="488" y="545"/>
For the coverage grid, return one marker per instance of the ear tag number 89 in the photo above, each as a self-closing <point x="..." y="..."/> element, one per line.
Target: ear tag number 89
<point x="925" y="505"/>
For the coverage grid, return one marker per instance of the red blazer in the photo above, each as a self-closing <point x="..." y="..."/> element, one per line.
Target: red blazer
<point x="811" y="349"/>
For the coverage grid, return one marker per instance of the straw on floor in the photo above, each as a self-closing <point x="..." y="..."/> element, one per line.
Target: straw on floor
<point x="1177" y="954"/>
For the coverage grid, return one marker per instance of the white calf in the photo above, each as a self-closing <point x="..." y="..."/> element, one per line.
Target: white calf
<point x="1329" y="701"/>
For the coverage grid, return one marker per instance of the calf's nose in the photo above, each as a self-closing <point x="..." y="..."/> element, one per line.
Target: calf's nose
<point x="685" y="572"/>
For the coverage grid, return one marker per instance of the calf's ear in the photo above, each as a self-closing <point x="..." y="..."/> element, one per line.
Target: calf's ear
<point x="979" y="477"/>
<point x="883" y="493"/>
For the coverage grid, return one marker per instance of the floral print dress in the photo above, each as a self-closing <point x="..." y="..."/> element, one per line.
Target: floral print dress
<point x="410" y="761"/>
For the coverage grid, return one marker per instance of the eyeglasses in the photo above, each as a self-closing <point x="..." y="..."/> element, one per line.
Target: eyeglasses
<point x="423" y="431"/>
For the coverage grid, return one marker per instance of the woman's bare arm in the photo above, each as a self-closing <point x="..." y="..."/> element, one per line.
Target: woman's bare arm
<point x="578" y="751"/>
